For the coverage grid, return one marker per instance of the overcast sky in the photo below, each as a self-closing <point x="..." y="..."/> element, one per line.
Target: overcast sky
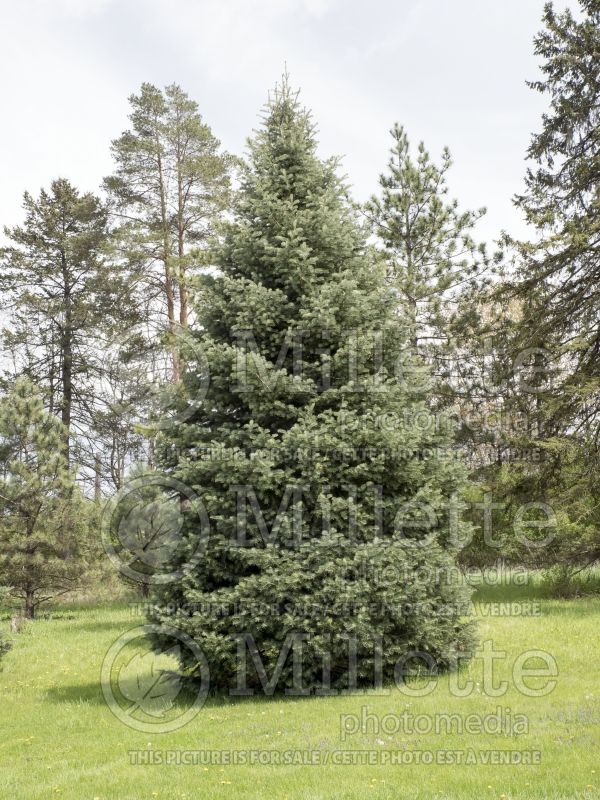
<point x="452" y="71"/>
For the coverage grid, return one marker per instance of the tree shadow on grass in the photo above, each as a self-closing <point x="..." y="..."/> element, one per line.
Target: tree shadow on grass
<point x="91" y="694"/>
<point x="99" y="626"/>
<point x="87" y="693"/>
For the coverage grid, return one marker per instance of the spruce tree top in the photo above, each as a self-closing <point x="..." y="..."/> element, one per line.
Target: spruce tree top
<point x="292" y="264"/>
<point x="291" y="228"/>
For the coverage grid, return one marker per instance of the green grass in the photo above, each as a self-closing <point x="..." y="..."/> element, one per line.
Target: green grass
<point x="518" y="584"/>
<point x="59" y="739"/>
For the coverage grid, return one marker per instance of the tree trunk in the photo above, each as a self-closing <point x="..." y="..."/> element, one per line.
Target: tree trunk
<point x="67" y="357"/>
<point x="169" y="292"/>
<point x="183" y="292"/>
<point x="29" y="605"/>
<point x="172" y="324"/>
<point x="97" y="480"/>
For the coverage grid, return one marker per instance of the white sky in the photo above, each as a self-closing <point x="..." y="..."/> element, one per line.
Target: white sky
<point x="452" y="71"/>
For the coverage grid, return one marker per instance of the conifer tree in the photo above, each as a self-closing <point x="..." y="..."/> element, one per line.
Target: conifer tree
<point x="555" y="288"/>
<point x="306" y="451"/>
<point x="62" y="295"/>
<point x="170" y="184"/>
<point x="431" y="258"/>
<point x="42" y="517"/>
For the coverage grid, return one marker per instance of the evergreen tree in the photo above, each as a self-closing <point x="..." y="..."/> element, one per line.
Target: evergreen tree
<point x="555" y="286"/>
<point x="63" y="295"/>
<point x="42" y="517"/>
<point x="441" y="277"/>
<point x="432" y="260"/>
<point x="170" y="185"/>
<point x="311" y="499"/>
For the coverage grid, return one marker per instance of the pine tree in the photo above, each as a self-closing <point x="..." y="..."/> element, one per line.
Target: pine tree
<point x="42" y="517"/>
<point x="306" y="451"/>
<point x="431" y="257"/>
<point x="558" y="272"/>
<point x="63" y="295"/>
<point x="555" y="287"/>
<point x="170" y="185"/>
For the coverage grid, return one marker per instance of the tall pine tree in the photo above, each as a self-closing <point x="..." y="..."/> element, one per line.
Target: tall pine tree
<point x="555" y="288"/>
<point x="170" y="184"/>
<point x="62" y="295"/>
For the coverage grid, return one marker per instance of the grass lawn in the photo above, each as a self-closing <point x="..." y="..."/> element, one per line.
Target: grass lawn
<point x="59" y="738"/>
